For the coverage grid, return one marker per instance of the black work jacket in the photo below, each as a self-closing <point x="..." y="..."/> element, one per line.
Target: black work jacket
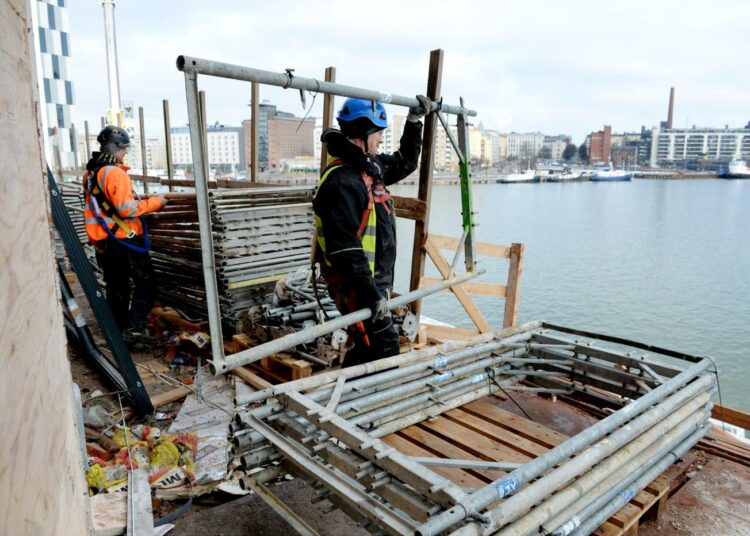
<point x="343" y="198"/>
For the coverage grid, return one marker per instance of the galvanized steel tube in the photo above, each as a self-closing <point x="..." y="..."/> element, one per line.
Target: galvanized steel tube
<point x="510" y="483"/>
<point x="625" y="495"/>
<point x="293" y="339"/>
<point x="284" y="80"/>
<point x="570" y="518"/>
<point x="665" y="433"/>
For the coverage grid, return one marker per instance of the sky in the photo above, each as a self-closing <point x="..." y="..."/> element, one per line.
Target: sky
<point x="526" y="65"/>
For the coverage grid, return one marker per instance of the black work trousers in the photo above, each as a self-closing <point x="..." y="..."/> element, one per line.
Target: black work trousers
<point x="380" y="339"/>
<point x="369" y="340"/>
<point x="120" y="266"/>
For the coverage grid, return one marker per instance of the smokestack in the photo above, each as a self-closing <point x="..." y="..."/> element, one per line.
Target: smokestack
<point x="671" y="107"/>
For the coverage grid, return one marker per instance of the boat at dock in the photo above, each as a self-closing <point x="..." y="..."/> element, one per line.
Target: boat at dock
<point x="737" y="169"/>
<point x="527" y="176"/>
<point x="610" y="174"/>
<point x="570" y="176"/>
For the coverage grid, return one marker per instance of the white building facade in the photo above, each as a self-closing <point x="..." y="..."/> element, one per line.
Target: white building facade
<point x="524" y="145"/>
<point x="52" y="45"/>
<point x="708" y="144"/>
<point x="226" y="147"/>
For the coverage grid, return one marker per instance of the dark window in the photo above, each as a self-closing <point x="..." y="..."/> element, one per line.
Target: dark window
<point x="49" y="131"/>
<point x="61" y="3"/>
<point x="55" y="67"/>
<point x="60" y="116"/>
<point x="51" y="16"/>
<point x="68" y="92"/>
<point x="42" y="40"/>
<point x="47" y="91"/>
<point x="64" y="43"/>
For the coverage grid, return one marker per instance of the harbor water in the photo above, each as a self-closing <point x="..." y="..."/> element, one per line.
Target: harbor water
<point x="663" y="262"/>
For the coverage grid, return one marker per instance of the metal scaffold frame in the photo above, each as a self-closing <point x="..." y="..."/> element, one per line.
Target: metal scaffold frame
<point x="331" y="429"/>
<point x="192" y="67"/>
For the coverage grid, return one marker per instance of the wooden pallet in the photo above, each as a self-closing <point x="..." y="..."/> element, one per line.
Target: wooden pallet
<point x="277" y="368"/>
<point x="481" y="430"/>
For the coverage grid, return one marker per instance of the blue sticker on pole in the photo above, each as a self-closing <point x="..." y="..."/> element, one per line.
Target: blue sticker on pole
<point x="478" y="378"/>
<point x="507" y="486"/>
<point x="440" y="378"/>
<point x="440" y="362"/>
<point x="627" y="494"/>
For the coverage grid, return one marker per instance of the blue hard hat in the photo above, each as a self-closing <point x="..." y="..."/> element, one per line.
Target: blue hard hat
<point x="360" y="117"/>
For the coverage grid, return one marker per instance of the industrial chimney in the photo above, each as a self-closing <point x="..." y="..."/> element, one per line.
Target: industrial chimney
<point x="671" y="108"/>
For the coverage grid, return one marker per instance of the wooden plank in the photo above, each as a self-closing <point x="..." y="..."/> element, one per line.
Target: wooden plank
<point x="731" y="416"/>
<point x="447" y="332"/>
<point x="519" y="425"/>
<point x="444" y="268"/>
<point x="496" y="433"/>
<point x="458" y="476"/>
<point x="175" y="394"/>
<point x="483" y="289"/>
<point x="328" y="110"/>
<point x="250" y="378"/>
<point x="474" y="442"/>
<point x="424" y="193"/>
<point x="440" y="448"/>
<point x="175" y="318"/>
<point x="409" y="207"/>
<point x="513" y="288"/>
<point x="482" y="248"/>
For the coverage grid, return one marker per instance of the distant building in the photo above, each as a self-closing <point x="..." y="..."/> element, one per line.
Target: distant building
<point x="624" y="156"/>
<point x="225" y="148"/>
<point x="281" y="136"/>
<point x="600" y="145"/>
<point x="709" y="146"/>
<point x="524" y="145"/>
<point x="52" y="44"/>
<point x="555" y="145"/>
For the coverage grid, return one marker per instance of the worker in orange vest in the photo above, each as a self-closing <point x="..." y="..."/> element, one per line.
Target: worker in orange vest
<point x="119" y="236"/>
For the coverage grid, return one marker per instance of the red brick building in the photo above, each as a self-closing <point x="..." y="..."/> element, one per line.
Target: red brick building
<point x="601" y="143"/>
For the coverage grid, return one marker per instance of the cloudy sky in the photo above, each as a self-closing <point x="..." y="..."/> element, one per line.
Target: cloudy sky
<point x="525" y="65"/>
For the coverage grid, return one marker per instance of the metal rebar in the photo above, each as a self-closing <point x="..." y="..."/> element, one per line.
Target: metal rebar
<point x="189" y="64"/>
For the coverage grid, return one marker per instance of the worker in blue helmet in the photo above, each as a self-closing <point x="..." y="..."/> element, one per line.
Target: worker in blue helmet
<point x="356" y="221"/>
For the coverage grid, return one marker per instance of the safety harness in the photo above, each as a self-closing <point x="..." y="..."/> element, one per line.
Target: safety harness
<point x="100" y="204"/>
<point x="376" y="193"/>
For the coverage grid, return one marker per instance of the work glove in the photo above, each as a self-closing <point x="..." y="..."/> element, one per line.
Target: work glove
<point x="380" y="309"/>
<point x="418" y="112"/>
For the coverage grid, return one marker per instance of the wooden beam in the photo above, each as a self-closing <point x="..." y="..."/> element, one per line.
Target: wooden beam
<point x="463" y="297"/>
<point x="175" y="394"/>
<point x="168" y="141"/>
<point x="443" y="333"/>
<point x="481" y="289"/>
<point x="731" y="416"/>
<point x="409" y="208"/>
<point x="252" y="379"/>
<point x="513" y="288"/>
<point x="254" y="130"/>
<point x="424" y="194"/>
<point x="144" y="159"/>
<point x="482" y="248"/>
<point x="328" y="108"/>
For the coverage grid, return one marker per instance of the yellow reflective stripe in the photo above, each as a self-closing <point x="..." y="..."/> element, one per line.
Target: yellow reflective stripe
<point x="368" y="239"/>
<point x="130" y="207"/>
